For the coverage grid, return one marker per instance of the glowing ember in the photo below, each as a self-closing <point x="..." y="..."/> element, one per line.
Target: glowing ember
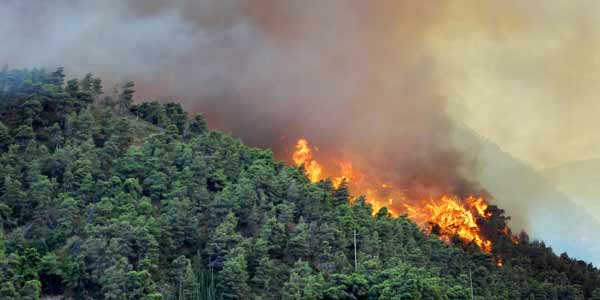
<point x="500" y="263"/>
<point x="446" y="216"/>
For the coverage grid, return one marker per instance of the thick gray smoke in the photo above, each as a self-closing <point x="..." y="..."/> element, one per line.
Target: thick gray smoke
<point x="351" y="76"/>
<point x="360" y="79"/>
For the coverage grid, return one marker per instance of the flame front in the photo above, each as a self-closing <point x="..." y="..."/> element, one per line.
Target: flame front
<point x="447" y="215"/>
<point x="303" y="156"/>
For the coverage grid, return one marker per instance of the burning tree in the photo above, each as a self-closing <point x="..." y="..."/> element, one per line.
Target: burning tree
<point x="467" y="219"/>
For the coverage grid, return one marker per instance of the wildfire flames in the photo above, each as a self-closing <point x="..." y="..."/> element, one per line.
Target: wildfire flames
<point x="447" y="215"/>
<point x="303" y="156"/>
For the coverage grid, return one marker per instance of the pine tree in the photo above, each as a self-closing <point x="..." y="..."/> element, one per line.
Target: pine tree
<point x="223" y="240"/>
<point x="121" y="282"/>
<point x="180" y="225"/>
<point x="341" y="195"/>
<point x="264" y="280"/>
<point x="183" y="275"/>
<point x="125" y="98"/>
<point x="5" y="137"/>
<point x="8" y="292"/>
<point x="198" y="125"/>
<point x="31" y="290"/>
<point x="24" y="135"/>
<point x="233" y="282"/>
<point x="274" y="233"/>
<point x="303" y="284"/>
<point x="298" y="243"/>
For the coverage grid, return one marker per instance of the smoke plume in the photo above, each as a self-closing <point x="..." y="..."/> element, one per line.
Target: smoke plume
<point x="380" y="83"/>
<point x="349" y="75"/>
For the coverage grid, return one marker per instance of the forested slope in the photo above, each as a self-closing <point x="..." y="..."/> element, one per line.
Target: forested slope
<point x="579" y="180"/>
<point x="540" y="205"/>
<point x="104" y="199"/>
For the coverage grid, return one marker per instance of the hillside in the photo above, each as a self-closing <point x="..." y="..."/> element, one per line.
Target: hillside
<point x="533" y="202"/>
<point x="104" y="199"/>
<point x="579" y="180"/>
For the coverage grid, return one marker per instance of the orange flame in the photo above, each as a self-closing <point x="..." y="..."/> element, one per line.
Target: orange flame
<point x="303" y="156"/>
<point x="451" y="217"/>
<point x="346" y="170"/>
<point x="447" y="216"/>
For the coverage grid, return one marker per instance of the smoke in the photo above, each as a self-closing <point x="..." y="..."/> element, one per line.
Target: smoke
<point x="380" y="83"/>
<point x="526" y="72"/>
<point x="349" y="75"/>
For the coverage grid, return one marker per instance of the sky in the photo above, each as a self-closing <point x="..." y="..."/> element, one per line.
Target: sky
<point x="523" y="74"/>
<point x="527" y="75"/>
<point x="383" y="80"/>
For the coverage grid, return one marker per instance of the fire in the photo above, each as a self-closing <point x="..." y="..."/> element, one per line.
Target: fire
<point x="449" y="216"/>
<point x="346" y="174"/>
<point x="446" y="216"/>
<point x="303" y="156"/>
<point x="500" y="263"/>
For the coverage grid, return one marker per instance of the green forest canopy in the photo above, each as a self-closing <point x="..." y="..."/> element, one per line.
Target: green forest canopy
<point x="106" y="199"/>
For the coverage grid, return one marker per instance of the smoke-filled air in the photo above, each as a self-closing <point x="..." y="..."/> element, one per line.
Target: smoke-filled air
<point x="434" y="109"/>
<point x="383" y="86"/>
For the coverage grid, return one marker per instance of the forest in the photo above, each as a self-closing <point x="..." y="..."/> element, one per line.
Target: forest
<point x="102" y="197"/>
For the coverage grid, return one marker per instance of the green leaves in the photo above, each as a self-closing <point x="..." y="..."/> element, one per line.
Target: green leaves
<point x="32" y="290"/>
<point x="121" y="282"/>
<point x="303" y="283"/>
<point x="233" y="283"/>
<point x="407" y="283"/>
<point x="224" y="239"/>
<point x="124" y="201"/>
<point x="8" y="291"/>
<point x="346" y="287"/>
<point x="298" y="243"/>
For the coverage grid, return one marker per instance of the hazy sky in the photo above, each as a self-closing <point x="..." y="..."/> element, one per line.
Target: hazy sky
<point x="522" y="73"/>
<point x="527" y="73"/>
<point x="382" y="80"/>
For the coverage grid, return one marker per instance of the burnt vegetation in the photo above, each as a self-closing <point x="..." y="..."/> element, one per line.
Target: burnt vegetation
<point x="101" y="198"/>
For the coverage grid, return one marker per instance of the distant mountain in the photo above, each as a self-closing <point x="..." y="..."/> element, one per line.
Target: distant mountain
<point x="537" y="204"/>
<point x="580" y="181"/>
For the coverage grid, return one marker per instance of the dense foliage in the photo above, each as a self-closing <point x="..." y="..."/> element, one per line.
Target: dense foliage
<point x="104" y="199"/>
